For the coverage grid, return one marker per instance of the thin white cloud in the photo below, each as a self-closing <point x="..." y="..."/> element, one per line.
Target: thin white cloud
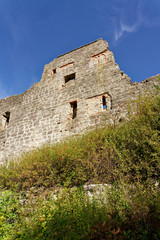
<point x="129" y="20"/>
<point x="124" y="28"/>
<point x="17" y="25"/>
<point x="124" y="17"/>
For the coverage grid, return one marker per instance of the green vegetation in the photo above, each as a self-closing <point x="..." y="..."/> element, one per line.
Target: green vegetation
<point x="39" y="199"/>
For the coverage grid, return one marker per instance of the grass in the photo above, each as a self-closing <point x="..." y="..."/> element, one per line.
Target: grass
<point x="125" y="156"/>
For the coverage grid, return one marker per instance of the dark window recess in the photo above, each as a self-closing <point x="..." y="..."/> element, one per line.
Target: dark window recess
<point x="53" y="71"/>
<point x="7" y="116"/>
<point x="70" y="77"/>
<point x="74" y="108"/>
<point x="104" y="102"/>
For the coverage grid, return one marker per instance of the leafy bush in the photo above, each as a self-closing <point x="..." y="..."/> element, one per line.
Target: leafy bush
<point x="130" y="151"/>
<point x="117" y="213"/>
<point x="9" y="207"/>
<point x="125" y="156"/>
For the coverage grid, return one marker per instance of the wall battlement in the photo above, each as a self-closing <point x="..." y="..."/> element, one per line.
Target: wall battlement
<point x="75" y="91"/>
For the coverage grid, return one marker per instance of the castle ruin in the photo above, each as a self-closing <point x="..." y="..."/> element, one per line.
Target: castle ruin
<point x="75" y="91"/>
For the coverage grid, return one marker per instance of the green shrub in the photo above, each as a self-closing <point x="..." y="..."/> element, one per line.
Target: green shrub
<point x="121" y="212"/>
<point x="9" y="207"/>
<point x="129" y="150"/>
<point x="125" y="156"/>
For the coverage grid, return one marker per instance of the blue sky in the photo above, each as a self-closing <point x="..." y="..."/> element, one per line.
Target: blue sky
<point x="34" y="32"/>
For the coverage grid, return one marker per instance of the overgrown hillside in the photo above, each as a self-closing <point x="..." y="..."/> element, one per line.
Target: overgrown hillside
<point x="38" y="199"/>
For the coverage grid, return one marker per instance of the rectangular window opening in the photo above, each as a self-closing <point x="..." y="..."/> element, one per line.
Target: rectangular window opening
<point x="104" y="103"/>
<point x="70" y="77"/>
<point x="53" y="71"/>
<point x="74" y="109"/>
<point x="7" y="116"/>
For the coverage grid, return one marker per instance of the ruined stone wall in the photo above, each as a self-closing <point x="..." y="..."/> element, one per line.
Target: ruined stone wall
<point x="75" y="91"/>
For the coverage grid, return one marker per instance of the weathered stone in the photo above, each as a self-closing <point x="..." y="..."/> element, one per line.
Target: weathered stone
<point x="75" y="91"/>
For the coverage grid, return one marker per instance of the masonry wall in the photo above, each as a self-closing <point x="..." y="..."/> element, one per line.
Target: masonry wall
<point x="75" y="91"/>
